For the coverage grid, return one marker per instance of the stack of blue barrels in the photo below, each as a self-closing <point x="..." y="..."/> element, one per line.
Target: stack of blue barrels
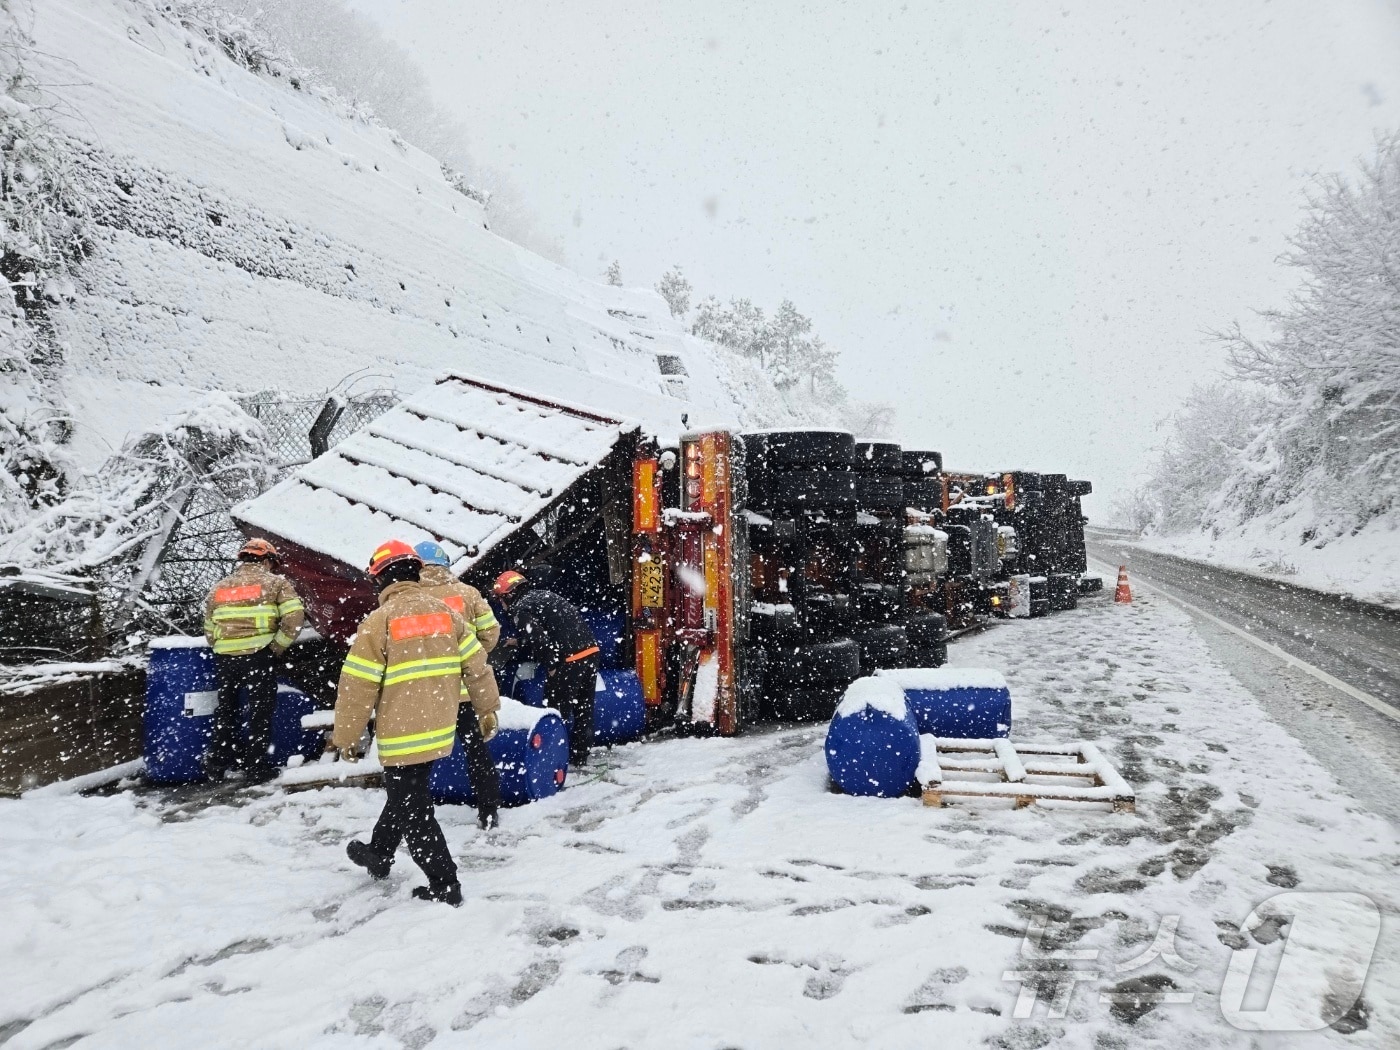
<point x="619" y="709"/>
<point x="182" y="692"/>
<point x="873" y="745"/>
<point x="530" y="751"/>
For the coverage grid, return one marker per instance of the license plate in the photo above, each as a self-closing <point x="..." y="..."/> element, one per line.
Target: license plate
<point x="652" y="584"/>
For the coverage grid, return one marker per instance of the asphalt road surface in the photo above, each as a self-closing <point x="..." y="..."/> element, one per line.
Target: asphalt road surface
<point x="1350" y="641"/>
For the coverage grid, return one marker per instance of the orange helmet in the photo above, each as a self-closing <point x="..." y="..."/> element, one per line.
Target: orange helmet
<point x="389" y="553"/>
<point x="258" y="548"/>
<point x="507" y="582"/>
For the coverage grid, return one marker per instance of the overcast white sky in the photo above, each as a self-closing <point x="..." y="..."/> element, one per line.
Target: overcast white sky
<point x="1017" y="220"/>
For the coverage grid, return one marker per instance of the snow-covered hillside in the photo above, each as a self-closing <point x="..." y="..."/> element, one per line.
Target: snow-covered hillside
<point x="250" y="236"/>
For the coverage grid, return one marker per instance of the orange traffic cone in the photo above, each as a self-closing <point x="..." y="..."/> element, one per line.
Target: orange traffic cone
<point x="1123" y="593"/>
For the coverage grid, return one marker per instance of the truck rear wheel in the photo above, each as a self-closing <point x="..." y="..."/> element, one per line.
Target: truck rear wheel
<point x="926" y="629"/>
<point x="801" y="448"/>
<point x="833" y="663"/>
<point x="879" y="457"/>
<point x="804" y="489"/>
<point x="883" y="647"/>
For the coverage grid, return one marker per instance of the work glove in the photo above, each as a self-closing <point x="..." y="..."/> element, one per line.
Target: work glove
<point x="345" y="754"/>
<point x="488" y="725"/>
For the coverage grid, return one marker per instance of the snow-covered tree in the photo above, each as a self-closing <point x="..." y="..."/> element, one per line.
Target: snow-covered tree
<point x="614" y="274"/>
<point x="1307" y="431"/>
<point x="675" y="289"/>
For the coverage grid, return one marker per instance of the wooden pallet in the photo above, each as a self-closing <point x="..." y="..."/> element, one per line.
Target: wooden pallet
<point x="1028" y="774"/>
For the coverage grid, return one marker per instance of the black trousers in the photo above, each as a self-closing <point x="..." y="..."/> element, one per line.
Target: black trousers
<point x="569" y="690"/>
<point x="257" y="672"/>
<point x="481" y="767"/>
<point x="408" y="817"/>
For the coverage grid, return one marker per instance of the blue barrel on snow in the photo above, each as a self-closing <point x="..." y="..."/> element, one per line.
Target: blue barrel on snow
<point x="969" y="703"/>
<point x="182" y="692"/>
<point x="609" y="627"/>
<point x="530" y="751"/>
<point x="872" y="745"/>
<point x="288" y="736"/>
<point x="619" y="709"/>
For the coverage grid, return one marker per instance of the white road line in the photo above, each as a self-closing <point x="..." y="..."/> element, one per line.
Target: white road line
<point x="1322" y="676"/>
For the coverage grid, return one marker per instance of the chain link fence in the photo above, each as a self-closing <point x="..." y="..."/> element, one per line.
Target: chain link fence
<point x="204" y="542"/>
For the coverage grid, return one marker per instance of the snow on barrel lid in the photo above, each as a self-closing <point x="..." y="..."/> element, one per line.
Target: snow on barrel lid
<point x="875" y="693"/>
<point x="463" y="462"/>
<point x="515" y="715"/>
<point x="944" y="677"/>
<point x="178" y="641"/>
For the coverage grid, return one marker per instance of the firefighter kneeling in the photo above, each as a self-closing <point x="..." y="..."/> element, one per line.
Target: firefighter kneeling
<point x="412" y="662"/>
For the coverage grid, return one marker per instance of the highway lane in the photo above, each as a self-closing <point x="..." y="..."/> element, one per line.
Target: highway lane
<point x="1353" y="641"/>
<point x="1330" y="649"/>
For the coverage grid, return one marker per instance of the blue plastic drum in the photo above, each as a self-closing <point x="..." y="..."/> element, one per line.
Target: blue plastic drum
<point x="609" y="627"/>
<point x="288" y="737"/>
<point x="619" y="710"/>
<point x="872" y="745"/>
<point x="967" y="703"/>
<point x="182" y="693"/>
<point x="531" y="754"/>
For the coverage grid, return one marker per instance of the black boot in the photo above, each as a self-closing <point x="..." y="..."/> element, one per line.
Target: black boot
<point x="448" y="893"/>
<point x="487" y="818"/>
<point x="362" y="854"/>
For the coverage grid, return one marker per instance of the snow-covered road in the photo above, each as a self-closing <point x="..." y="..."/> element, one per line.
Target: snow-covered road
<point x="714" y="894"/>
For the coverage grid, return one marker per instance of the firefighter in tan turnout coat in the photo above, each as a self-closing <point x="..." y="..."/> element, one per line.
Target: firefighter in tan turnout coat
<point x="467" y="602"/>
<point x="412" y="662"/>
<point x="250" y="618"/>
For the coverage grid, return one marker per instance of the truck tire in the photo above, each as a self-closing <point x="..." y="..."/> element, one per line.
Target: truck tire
<point x="926" y="629"/>
<point x="805" y="448"/>
<point x="805" y="666"/>
<point x="929" y="656"/>
<point x="918" y="464"/>
<point x="793" y="490"/>
<point x="879" y="457"/>
<point x="1064" y="592"/>
<point x="923" y="494"/>
<point x="878" y="604"/>
<point x="883" y="647"/>
<point x="812" y="704"/>
<point x="879" y="491"/>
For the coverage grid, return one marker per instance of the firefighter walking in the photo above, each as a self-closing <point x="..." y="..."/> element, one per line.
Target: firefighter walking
<point x="551" y="632"/>
<point x="466" y="601"/>
<point x="251" y="617"/>
<point x="411" y="662"/>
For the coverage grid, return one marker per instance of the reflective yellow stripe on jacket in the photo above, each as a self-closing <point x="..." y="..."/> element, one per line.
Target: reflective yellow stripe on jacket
<point x="234" y="646"/>
<point x="468" y="648"/>
<point x="432" y="667"/>
<point x="415" y="743"/>
<point x="485" y="622"/>
<point x="358" y="667"/>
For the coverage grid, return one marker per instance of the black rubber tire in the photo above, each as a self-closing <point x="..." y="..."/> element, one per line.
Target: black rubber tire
<point x="879" y="491"/>
<point x="879" y="457"/>
<point x="808" y="666"/>
<point x="1080" y="488"/>
<point x="916" y="463"/>
<point x="959" y="550"/>
<point x="876" y="606"/>
<point x="926" y="629"/>
<point x="1064" y="592"/>
<point x="883" y="647"/>
<point x="1027" y="479"/>
<point x="805" y="448"/>
<point x="1039" y="597"/>
<point x="814" y="704"/>
<point x="1090" y="584"/>
<point x="929" y="656"/>
<point x="773" y="630"/>
<point x="923" y="494"/>
<point x="793" y="490"/>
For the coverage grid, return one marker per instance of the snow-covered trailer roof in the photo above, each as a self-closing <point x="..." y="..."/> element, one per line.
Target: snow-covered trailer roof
<point x="463" y="462"/>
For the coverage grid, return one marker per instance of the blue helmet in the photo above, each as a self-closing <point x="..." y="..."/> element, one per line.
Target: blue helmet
<point x="432" y="553"/>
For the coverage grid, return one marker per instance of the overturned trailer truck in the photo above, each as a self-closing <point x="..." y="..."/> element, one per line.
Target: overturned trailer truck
<point x="743" y="576"/>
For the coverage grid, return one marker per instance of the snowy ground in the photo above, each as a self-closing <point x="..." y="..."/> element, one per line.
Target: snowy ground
<point x="713" y="894"/>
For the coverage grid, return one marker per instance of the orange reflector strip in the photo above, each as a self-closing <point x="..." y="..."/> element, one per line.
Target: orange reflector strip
<point x="404" y="627"/>
<point x="248" y="592"/>
<point x="648" y="654"/>
<point x="644" y="488"/>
